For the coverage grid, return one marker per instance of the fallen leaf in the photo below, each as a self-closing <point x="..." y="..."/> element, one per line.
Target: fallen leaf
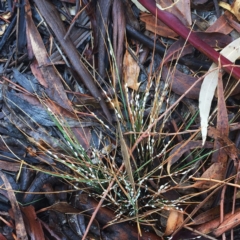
<point x="2" y="237"/>
<point x="209" y="226"/>
<point x="156" y="26"/>
<point x="181" y="82"/>
<point x="174" y="23"/>
<point x="215" y="171"/>
<point x="82" y="135"/>
<point x="51" y="16"/>
<point x="55" y="89"/>
<point x="177" y="50"/>
<point x="222" y="25"/>
<point x="231" y="52"/>
<point x="228" y="146"/>
<point x="230" y="221"/>
<point x="219" y="155"/>
<point x="179" y="8"/>
<point x="175" y="220"/>
<point x="234" y="8"/>
<point x="206" y="216"/>
<point x="38" y="74"/>
<point x="33" y="225"/>
<point x="185" y="8"/>
<point x="233" y="24"/>
<point x="131" y="71"/>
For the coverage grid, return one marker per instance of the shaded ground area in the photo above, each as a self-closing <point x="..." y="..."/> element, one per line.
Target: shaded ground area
<point x="119" y="120"/>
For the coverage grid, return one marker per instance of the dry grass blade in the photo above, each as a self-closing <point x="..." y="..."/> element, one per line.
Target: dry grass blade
<point x="20" y="227"/>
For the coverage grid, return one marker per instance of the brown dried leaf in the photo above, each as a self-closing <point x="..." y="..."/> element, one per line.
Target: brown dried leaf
<point x="180" y="8"/>
<point x="55" y="88"/>
<point x="220" y="155"/>
<point x="59" y="110"/>
<point x="131" y="71"/>
<point x="185" y="8"/>
<point x="175" y="220"/>
<point x="38" y="74"/>
<point x="181" y="82"/>
<point x="119" y="28"/>
<point x="206" y="216"/>
<point x="33" y="225"/>
<point x="156" y="26"/>
<point x="208" y="227"/>
<point x="214" y="225"/>
<point x="34" y="106"/>
<point x="176" y="50"/>
<point x="228" y="224"/>
<point x="228" y="146"/>
<point x="215" y="171"/>
<point x="221" y="25"/>
<point x="51" y="16"/>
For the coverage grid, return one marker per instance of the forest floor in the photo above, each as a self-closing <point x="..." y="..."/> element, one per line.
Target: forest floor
<point x="119" y="119"/>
